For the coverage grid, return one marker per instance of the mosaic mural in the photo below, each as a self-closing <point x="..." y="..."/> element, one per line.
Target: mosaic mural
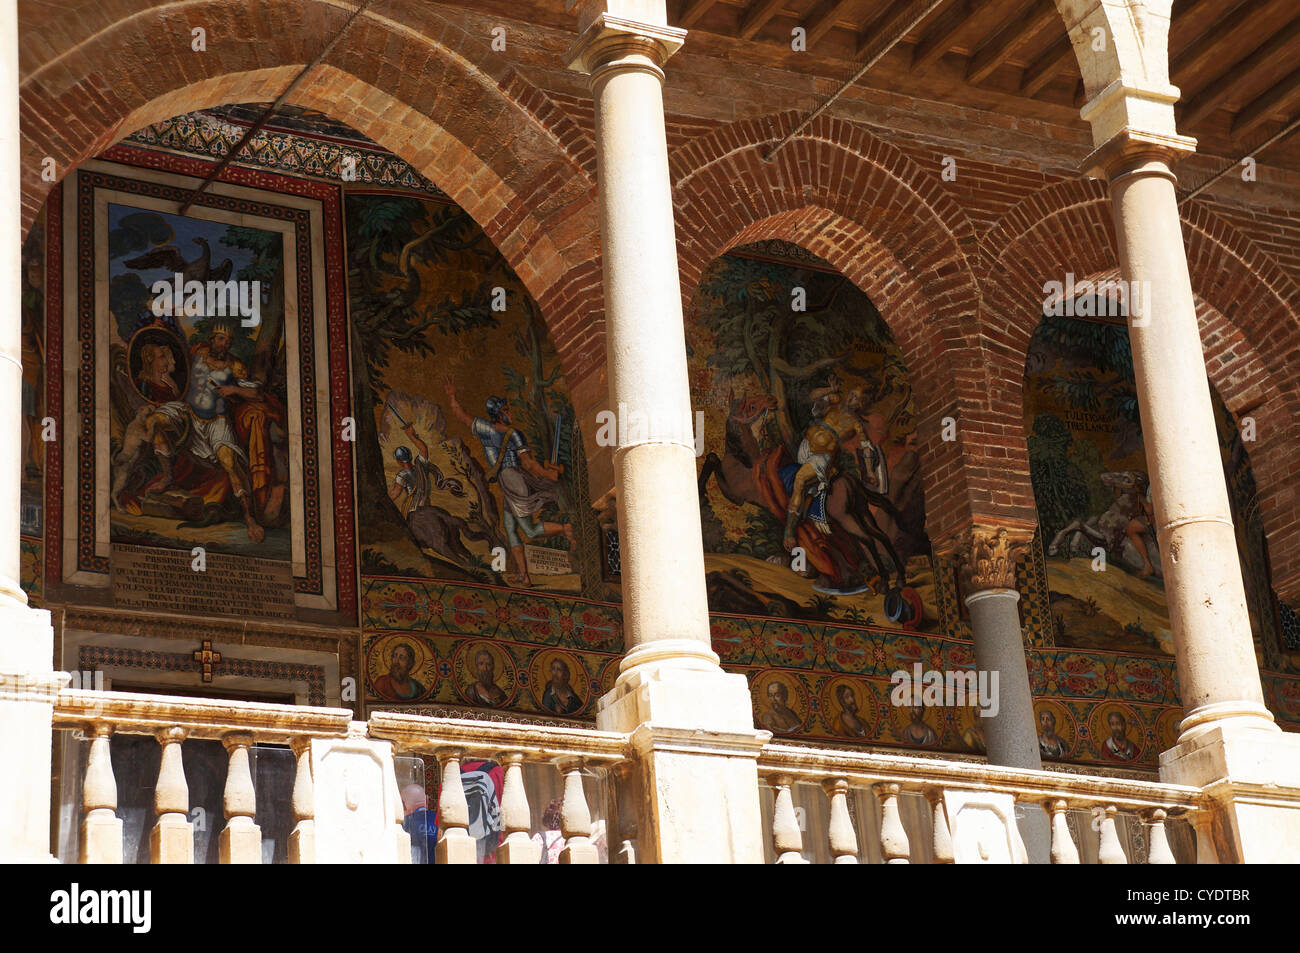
<point x="221" y="408"/>
<point x="1092" y="487"/>
<point x="199" y="422"/>
<point x="470" y="460"/>
<point x="810" y="492"/>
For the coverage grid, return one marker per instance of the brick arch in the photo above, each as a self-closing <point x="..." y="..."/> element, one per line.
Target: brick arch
<point x="1248" y="310"/>
<point x="885" y="224"/>
<point x="493" y="143"/>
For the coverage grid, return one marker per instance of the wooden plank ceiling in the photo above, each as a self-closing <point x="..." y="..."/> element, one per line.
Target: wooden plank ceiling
<point x="1237" y="62"/>
<point x="1234" y="60"/>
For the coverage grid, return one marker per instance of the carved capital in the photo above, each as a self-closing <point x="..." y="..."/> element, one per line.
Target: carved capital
<point x="614" y="42"/>
<point x="986" y="556"/>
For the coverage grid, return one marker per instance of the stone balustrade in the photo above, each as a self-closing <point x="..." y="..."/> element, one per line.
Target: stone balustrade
<point x="964" y="811"/>
<point x="830" y="805"/>
<point x="573" y="751"/>
<point x="172" y="720"/>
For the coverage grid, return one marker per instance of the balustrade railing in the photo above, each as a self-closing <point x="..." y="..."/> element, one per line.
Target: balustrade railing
<point x="568" y="795"/>
<point x="912" y="809"/>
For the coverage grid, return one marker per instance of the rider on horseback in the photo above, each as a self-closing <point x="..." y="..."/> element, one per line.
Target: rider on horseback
<point x="832" y="428"/>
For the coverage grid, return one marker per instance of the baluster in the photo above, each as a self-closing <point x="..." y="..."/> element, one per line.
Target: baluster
<point x="101" y="831"/>
<point x="455" y="846"/>
<point x="302" y="841"/>
<point x="1063" y="849"/>
<point x="943" y="852"/>
<point x="240" y="841"/>
<point x="787" y="840"/>
<point x="843" y="839"/>
<point x="1110" y="851"/>
<point x="516" y="819"/>
<point x="893" y="836"/>
<point x="1159" y="852"/>
<point x="1203" y="824"/>
<point x="575" y="818"/>
<point x="172" y="839"/>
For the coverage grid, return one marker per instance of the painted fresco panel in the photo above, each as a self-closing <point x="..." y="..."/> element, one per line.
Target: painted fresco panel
<point x="1092" y="486"/>
<point x="811" y="493"/>
<point x="470" y="458"/>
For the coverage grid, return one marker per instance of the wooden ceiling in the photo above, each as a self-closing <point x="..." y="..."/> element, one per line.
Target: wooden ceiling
<point x="1235" y="61"/>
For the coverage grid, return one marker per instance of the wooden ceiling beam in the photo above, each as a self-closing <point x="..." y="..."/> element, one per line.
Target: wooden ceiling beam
<point x="1280" y="98"/>
<point x="1028" y="22"/>
<point x="817" y="27"/>
<point x="938" y="40"/>
<point x="1047" y="67"/>
<point x="1209" y="98"/>
<point x="1204" y="50"/>
<point x="756" y="17"/>
<point x="694" y="10"/>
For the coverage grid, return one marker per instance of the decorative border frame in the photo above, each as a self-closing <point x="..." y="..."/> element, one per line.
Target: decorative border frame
<point x="337" y="363"/>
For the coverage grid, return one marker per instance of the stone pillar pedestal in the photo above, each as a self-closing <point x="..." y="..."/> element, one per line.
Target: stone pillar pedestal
<point x="696" y="741"/>
<point x="357" y="806"/>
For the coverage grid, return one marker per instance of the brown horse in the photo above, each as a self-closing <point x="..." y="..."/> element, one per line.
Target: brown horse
<point x="848" y="501"/>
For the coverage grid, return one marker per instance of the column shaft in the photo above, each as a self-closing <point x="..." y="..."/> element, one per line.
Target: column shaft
<point x="1217" y="671"/>
<point x="999" y="647"/>
<point x="665" y="608"/>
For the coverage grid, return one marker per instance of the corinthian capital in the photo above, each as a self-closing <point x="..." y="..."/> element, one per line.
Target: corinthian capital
<point x="986" y="557"/>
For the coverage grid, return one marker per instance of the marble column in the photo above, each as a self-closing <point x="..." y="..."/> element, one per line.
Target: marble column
<point x="987" y="564"/>
<point x="28" y="683"/>
<point x="1217" y="672"/>
<point x="1228" y="744"/>
<point x="693" y="726"/>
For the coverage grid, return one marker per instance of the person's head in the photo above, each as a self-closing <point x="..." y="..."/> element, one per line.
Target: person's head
<point x="1047" y="722"/>
<point x="403" y="454"/>
<point x="220" y="341"/>
<point x="486" y="666"/>
<point x="156" y="360"/>
<point x="777" y="694"/>
<point x="917" y="713"/>
<point x="401" y="660"/>
<point x="1117" y="725"/>
<point x="848" y="700"/>
<point x="560" y="673"/>
<point x="498" y="410"/>
<point x="553" y="816"/>
<point x="413" y="798"/>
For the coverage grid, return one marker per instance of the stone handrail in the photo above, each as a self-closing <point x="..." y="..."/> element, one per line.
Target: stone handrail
<point x="424" y="735"/>
<point x="953" y="786"/>
<point x="130" y="713"/>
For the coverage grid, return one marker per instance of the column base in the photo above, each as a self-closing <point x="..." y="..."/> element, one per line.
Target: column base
<point x="1252" y="774"/>
<point x="696" y="749"/>
<point x="681" y="692"/>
